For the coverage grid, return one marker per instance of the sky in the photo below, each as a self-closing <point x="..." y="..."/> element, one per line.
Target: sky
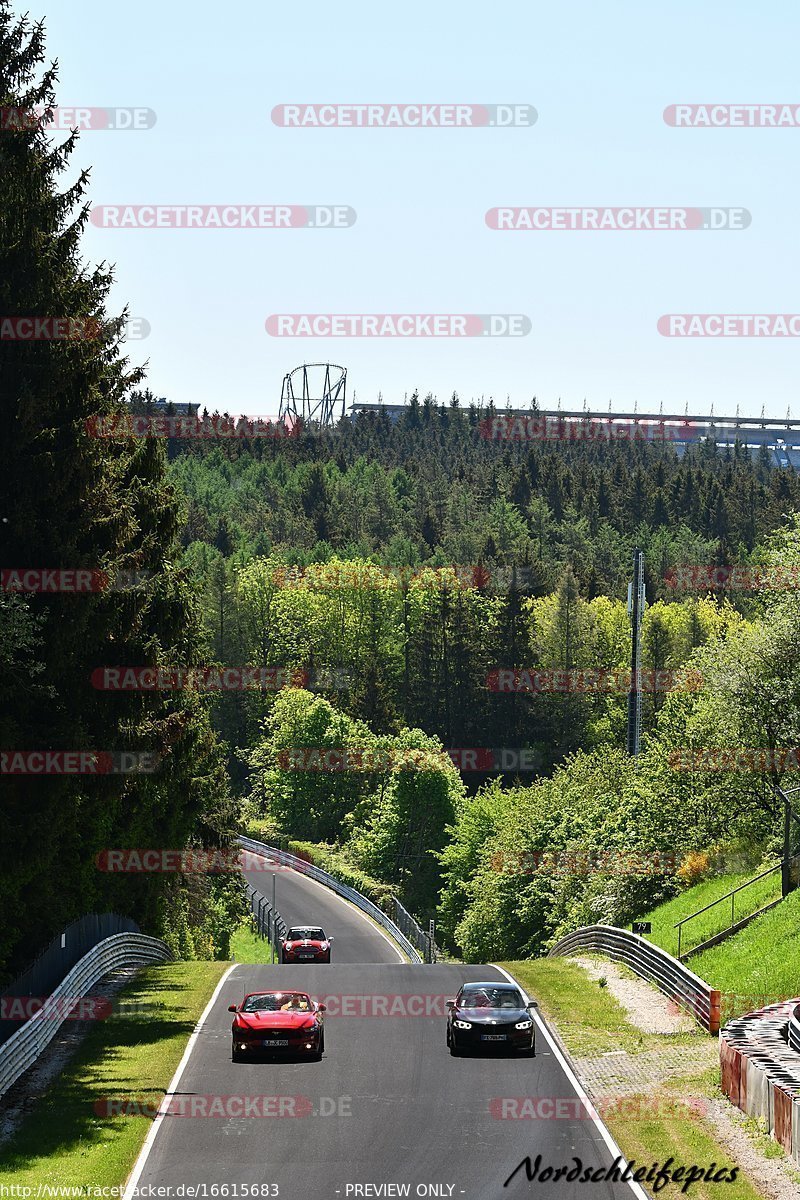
<point x="599" y="78"/>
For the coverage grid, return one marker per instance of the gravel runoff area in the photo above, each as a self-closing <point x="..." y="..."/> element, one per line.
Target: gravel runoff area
<point x="645" y="1007"/>
<point x="627" y="1074"/>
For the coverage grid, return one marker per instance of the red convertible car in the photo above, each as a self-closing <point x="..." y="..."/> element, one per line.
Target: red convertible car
<point x="270" y="1022"/>
<point x="306" y="943"/>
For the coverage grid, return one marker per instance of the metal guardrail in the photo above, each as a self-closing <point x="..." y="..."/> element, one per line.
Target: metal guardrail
<point x="689" y="991"/>
<point x="760" y="1070"/>
<point x="269" y="922"/>
<point x="731" y="895"/>
<point x="415" y="933"/>
<point x="120" y="950"/>
<point x="794" y="1030"/>
<point x="342" y="889"/>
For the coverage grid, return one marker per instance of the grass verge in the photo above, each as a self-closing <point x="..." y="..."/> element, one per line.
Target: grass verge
<point x="667" y="1121"/>
<point x="64" y="1141"/>
<point x="716" y="919"/>
<point x="758" y="966"/>
<point x="248" y="947"/>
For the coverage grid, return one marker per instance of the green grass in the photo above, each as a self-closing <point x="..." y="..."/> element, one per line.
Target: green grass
<point x="760" y="965"/>
<point x="589" y="1019"/>
<point x="716" y="919"/>
<point x="248" y="947"/>
<point x="648" y="1128"/>
<point x="687" y="1140"/>
<point x="63" y="1141"/>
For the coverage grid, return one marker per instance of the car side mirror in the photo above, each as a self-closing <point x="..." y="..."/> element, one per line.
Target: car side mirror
<point x="533" y="1004"/>
<point x="231" y="1008"/>
<point x="322" y="1008"/>
<point x="450" y="1003"/>
<point x="330" y="939"/>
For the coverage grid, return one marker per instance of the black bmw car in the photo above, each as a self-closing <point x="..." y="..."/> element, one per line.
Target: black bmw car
<point x="487" y="1016"/>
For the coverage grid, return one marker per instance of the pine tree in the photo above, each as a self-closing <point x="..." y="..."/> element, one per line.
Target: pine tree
<point x="74" y="501"/>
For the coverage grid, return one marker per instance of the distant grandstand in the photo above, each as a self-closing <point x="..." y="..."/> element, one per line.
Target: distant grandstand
<point x="781" y="437"/>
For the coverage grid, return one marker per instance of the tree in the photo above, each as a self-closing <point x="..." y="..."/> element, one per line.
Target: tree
<point x="71" y="501"/>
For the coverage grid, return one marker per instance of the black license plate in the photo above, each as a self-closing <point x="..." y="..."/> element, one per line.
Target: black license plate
<point x="276" y="1041"/>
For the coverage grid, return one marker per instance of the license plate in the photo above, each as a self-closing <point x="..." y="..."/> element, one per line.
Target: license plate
<point x="305" y="955"/>
<point x="276" y="1041"/>
<point x="493" y="1037"/>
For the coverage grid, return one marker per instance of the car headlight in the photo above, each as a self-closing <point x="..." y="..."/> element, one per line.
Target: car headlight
<point x="463" y="1024"/>
<point x="524" y="1025"/>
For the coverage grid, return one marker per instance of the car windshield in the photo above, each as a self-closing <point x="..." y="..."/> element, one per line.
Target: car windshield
<point x="277" y="1002"/>
<point x="300" y="932"/>
<point x="489" y="997"/>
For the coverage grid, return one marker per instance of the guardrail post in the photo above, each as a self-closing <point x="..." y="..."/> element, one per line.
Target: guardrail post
<point x="715" y="1008"/>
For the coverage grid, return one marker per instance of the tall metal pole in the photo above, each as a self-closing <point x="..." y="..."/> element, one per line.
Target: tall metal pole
<point x="274" y="910"/>
<point x="635" y="608"/>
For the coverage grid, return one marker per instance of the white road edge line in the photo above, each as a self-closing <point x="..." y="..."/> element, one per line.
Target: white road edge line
<point x="344" y="900"/>
<point x="139" y="1165"/>
<point x="566" y="1067"/>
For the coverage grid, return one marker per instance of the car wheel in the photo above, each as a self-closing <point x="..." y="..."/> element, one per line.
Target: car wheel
<point x="454" y="1050"/>
<point x="235" y="1055"/>
<point x="448" y="1035"/>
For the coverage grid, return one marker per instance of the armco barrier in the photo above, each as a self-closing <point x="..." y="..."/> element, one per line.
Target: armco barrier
<point x="269" y="922"/>
<point x="760" y="1068"/>
<point x="689" y="991"/>
<point x="306" y="868"/>
<point x="121" y="950"/>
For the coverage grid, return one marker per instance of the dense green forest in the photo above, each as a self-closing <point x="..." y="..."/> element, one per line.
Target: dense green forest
<point x="389" y="576"/>
<point x="400" y="568"/>
<point x="71" y="502"/>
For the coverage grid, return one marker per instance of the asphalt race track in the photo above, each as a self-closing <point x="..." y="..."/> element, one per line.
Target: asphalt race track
<point x="387" y="1104"/>
<point x="301" y="900"/>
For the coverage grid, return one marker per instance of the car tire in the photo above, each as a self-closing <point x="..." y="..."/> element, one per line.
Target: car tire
<point x="455" y="1052"/>
<point x="235" y="1055"/>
